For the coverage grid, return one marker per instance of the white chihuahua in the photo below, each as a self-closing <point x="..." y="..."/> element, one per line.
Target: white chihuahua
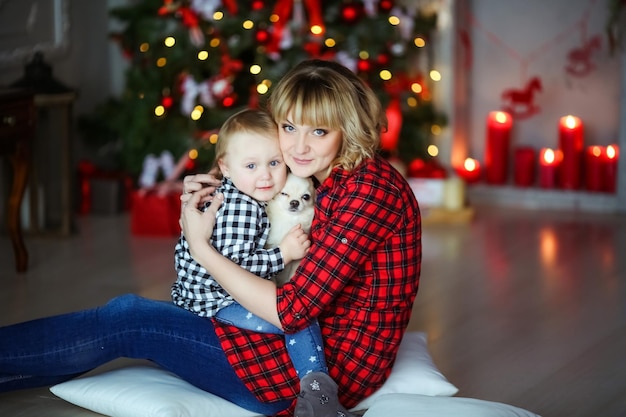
<point x="292" y="206"/>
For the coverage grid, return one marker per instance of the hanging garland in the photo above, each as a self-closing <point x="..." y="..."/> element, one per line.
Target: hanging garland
<point x="520" y="100"/>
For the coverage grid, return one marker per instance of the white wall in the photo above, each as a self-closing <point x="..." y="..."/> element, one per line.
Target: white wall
<point x="515" y="40"/>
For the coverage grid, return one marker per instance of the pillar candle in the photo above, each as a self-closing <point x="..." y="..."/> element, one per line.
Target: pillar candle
<point x="524" y="169"/>
<point x="470" y="171"/>
<point x="593" y="173"/>
<point x="499" y="125"/>
<point x="453" y="193"/>
<point x="548" y="165"/>
<point x="611" y="157"/>
<point x="571" y="146"/>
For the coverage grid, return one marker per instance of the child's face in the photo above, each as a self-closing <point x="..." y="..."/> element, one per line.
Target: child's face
<point x="255" y="165"/>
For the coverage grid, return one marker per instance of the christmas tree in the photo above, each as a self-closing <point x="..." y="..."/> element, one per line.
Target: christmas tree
<point x="194" y="63"/>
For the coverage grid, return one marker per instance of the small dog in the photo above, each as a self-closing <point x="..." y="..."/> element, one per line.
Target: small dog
<point x="292" y="206"/>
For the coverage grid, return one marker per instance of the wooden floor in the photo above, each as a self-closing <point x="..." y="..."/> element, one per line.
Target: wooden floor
<point x="522" y="307"/>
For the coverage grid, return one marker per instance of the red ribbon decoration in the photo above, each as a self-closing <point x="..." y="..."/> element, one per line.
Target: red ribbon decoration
<point x="231" y="6"/>
<point x="283" y="9"/>
<point x="389" y="138"/>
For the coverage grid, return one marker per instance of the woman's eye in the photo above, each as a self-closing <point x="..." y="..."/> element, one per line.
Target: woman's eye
<point x="319" y="132"/>
<point x="288" y="128"/>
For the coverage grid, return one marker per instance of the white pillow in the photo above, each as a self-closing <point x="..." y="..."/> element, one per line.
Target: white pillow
<point x="139" y="391"/>
<point x="145" y="391"/>
<point x="413" y="373"/>
<point x="413" y="405"/>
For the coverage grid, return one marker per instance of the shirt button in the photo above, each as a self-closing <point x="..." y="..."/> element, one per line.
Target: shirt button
<point x="344" y="240"/>
<point x="297" y="315"/>
<point x="235" y="259"/>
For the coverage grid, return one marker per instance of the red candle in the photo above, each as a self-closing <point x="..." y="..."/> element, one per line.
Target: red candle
<point x="594" y="164"/>
<point x="524" y="166"/>
<point x="571" y="146"/>
<point x="499" y="126"/>
<point x="470" y="171"/>
<point x="548" y="165"/>
<point x="611" y="157"/>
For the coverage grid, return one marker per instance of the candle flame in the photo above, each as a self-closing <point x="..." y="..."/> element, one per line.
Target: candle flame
<point x="611" y="152"/>
<point x="469" y="164"/>
<point x="571" y="122"/>
<point x="596" y="151"/>
<point x="501" y="117"/>
<point x="548" y="156"/>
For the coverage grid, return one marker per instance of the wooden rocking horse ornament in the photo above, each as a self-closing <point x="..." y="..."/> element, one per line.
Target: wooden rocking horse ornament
<point x="520" y="102"/>
<point x="580" y="61"/>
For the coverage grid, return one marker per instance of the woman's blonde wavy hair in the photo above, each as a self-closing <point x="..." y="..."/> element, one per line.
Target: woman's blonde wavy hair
<point x="326" y="94"/>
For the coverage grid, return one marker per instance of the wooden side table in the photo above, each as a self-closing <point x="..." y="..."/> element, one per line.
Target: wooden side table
<point x="17" y="127"/>
<point x="63" y="103"/>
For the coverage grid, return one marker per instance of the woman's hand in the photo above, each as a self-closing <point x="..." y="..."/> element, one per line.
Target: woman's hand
<point x="197" y="182"/>
<point x="197" y="226"/>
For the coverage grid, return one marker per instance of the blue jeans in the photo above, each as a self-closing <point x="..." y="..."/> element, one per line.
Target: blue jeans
<point x="51" y="350"/>
<point x="305" y="348"/>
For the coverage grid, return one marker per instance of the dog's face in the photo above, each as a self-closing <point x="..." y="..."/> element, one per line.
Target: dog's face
<point x="297" y="196"/>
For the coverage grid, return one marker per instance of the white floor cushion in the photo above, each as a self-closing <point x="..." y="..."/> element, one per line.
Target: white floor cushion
<point x="142" y="391"/>
<point x="413" y="373"/>
<point x="145" y="391"/>
<point x="414" y="405"/>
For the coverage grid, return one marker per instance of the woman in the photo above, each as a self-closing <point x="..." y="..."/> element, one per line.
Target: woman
<point x="361" y="274"/>
<point x="359" y="278"/>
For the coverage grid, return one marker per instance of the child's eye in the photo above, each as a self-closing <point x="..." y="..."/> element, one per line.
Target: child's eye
<point x="251" y="166"/>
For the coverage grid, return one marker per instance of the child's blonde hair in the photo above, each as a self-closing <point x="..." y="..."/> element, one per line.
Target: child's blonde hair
<point x="327" y="94"/>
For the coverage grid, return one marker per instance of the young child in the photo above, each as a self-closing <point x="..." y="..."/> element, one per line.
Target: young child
<point x="253" y="172"/>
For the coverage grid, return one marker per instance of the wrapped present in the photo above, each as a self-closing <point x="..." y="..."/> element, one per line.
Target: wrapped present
<point x="102" y="191"/>
<point x="152" y="214"/>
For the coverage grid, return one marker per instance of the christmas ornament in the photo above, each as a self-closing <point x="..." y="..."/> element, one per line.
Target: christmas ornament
<point x="364" y="65"/>
<point x="389" y="138"/>
<point x="262" y="36"/>
<point x="580" y="59"/>
<point x="385" y="6"/>
<point x="520" y="102"/>
<point x="167" y="102"/>
<point x="351" y="12"/>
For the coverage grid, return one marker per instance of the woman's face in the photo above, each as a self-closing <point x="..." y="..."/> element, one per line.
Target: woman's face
<point x="308" y="150"/>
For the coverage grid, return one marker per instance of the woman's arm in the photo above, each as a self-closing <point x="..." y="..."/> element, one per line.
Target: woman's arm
<point x="256" y="294"/>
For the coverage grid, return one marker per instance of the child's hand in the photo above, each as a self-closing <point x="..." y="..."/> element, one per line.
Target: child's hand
<point x="295" y="244"/>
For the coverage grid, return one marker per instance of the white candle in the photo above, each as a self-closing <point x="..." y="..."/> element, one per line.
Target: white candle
<point x="454" y="193"/>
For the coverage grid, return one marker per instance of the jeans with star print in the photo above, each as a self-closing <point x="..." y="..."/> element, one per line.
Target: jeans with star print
<point x="305" y="348"/>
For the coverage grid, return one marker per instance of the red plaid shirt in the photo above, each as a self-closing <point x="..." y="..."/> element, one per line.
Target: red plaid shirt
<point x="359" y="279"/>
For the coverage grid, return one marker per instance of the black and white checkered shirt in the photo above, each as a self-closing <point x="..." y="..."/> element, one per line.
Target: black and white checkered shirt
<point x="240" y="234"/>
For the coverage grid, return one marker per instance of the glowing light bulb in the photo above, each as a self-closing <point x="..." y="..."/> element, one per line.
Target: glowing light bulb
<point x="385" y="75"/>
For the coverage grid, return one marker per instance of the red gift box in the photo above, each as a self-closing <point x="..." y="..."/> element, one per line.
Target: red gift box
<point x="152" y="214"/>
